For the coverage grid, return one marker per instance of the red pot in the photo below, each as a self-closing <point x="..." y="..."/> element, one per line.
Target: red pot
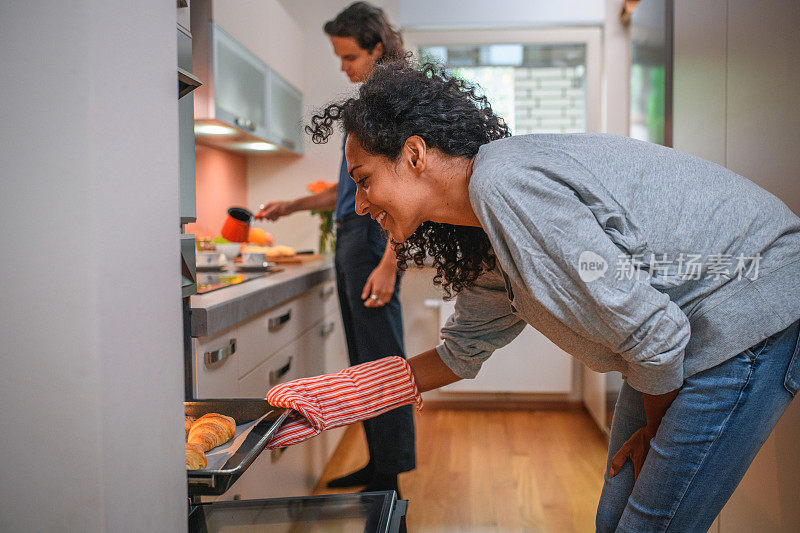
<point x="237" y="225"/>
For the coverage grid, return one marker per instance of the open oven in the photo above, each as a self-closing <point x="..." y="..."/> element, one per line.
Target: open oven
<point x="256" y="422"/>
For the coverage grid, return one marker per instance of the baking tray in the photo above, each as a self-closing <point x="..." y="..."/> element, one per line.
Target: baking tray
<point x="243" y="411"/>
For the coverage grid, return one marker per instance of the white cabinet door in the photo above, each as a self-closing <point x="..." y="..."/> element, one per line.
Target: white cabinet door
<point x="216" y="379"/>
<point x="264" y="334"/>
<point x="530" y="363"/>
<point x="294" y="470"/>
<point x="285" y="365"/>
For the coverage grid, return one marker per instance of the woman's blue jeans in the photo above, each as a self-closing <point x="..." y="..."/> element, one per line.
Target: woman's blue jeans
<point x="705" y="443"/>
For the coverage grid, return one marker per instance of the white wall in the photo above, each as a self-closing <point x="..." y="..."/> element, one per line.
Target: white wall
<point x="91" y="384"/>
<point x="736" y="96"/>
<point x="265" y="28"/>
<point x="737" y="73"/>
<point x="471" y="14"/>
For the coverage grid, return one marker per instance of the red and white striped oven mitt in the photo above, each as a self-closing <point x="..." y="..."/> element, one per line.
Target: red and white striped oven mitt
<point x="350" y="395"/>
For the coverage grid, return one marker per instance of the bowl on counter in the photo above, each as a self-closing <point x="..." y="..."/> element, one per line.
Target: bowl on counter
<point x="207" y="260"/>
<point x="230" y="251"/>
<point x="254" y="260"/>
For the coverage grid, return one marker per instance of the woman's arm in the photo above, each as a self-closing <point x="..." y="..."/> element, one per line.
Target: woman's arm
<point x="430" y="372"/>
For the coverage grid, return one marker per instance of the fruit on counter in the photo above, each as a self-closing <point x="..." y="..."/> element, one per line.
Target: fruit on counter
<point x="219" y="239"/>
<point x="260" y="237"/>
<point x="270" y="251"/>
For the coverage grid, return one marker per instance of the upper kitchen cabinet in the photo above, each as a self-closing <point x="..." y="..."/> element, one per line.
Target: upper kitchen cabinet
<point x="240" y="85"/>
<point x="285" y="107"/>
<point x="244" y="105"/>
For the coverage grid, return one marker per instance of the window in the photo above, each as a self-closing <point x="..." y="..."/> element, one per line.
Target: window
<point x="539" y="81"/>
<point x="536" y="88"/>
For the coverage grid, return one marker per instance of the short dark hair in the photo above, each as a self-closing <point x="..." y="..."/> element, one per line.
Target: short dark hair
<point x="398" y="100"/>
<point x="369" y="26"/>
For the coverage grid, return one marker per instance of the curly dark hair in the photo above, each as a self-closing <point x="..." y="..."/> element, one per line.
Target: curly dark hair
<point x="368" y="25"/>
<point x="398" y="100"/>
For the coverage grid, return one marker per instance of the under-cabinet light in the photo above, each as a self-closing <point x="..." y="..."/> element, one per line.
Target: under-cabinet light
<point x="213" y="129"/>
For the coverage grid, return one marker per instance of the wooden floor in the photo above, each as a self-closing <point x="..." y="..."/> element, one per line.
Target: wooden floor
<point x="494" y="471"/>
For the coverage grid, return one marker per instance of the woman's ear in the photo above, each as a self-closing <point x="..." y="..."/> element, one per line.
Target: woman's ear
<point x="416" y="152"/>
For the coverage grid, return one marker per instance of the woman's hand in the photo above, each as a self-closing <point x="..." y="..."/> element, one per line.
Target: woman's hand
<point x="274" y="210"/>
<point x="636" y="449"/>
<point x="379" y="287"/>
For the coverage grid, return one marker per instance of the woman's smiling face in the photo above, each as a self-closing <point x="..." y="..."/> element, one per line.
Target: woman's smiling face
<point x="388" y="191"/>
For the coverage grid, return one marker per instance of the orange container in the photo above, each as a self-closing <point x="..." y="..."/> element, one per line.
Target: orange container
<point x="237" y="225"/>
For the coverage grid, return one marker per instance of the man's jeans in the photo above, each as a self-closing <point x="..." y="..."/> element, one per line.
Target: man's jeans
<point x="707" y="440"/>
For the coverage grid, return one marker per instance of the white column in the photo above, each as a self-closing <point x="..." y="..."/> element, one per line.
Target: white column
<point x="91" y="377"/>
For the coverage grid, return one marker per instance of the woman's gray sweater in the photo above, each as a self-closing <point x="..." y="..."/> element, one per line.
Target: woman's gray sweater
<point x="627" y="255"/>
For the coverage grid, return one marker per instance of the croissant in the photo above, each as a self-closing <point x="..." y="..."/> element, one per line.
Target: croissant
<point x="195" y="458"/>
<point x="211" y="430"/>
<point x="188" y="421"/>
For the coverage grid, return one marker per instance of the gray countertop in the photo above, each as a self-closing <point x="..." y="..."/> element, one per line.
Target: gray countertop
<point x="214" y="311"/>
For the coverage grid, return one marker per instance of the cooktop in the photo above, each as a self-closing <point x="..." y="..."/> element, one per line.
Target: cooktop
<point x="211" y="280"/>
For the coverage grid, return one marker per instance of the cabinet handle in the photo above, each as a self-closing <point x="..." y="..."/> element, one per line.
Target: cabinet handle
<point x="326" y="329"/>
<point x="276" y="375"/>
<point x="327" y="291"/>
<point x="244" y="123"/>
<point x="278" y="321"/>
<point x="223" y="353"/>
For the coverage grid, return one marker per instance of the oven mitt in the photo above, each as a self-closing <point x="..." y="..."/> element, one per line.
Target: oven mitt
<point x="350" y="395"/>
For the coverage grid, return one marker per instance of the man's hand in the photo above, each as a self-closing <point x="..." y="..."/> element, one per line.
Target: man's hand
<point x="379" y="287"/>
<point x="274" y="210"/>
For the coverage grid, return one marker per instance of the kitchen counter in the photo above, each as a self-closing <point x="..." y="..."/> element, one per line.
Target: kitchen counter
<point x="220" y="309"/>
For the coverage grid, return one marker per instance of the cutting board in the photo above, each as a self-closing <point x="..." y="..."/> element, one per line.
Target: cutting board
<point x="295" y="259"/>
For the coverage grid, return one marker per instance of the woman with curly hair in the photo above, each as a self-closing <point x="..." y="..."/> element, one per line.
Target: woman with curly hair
<point x="613" y="248"/>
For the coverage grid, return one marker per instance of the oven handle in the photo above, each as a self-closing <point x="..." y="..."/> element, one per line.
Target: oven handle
<point x="212" y="358"/>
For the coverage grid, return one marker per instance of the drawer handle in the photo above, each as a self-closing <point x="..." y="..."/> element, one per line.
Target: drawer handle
<point x="275" y="454"/>
<point x="326" y="329"/>
<point x="276" y="375"/>
<point x="220" y="355"/>
<point x="278" y="321"/>
<point x="327" y="291"/>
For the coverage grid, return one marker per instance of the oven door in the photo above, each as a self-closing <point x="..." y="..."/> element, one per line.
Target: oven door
<point x="364" y="512"/>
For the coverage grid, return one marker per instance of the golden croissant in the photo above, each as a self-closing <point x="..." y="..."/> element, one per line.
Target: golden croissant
<point x="195" y="458"/>
<point x="211" y="430"/>
<point x="187" y="423"/>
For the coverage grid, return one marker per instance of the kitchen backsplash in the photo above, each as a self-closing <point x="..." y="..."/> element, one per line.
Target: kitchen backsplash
<point x="221" y="183"/>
